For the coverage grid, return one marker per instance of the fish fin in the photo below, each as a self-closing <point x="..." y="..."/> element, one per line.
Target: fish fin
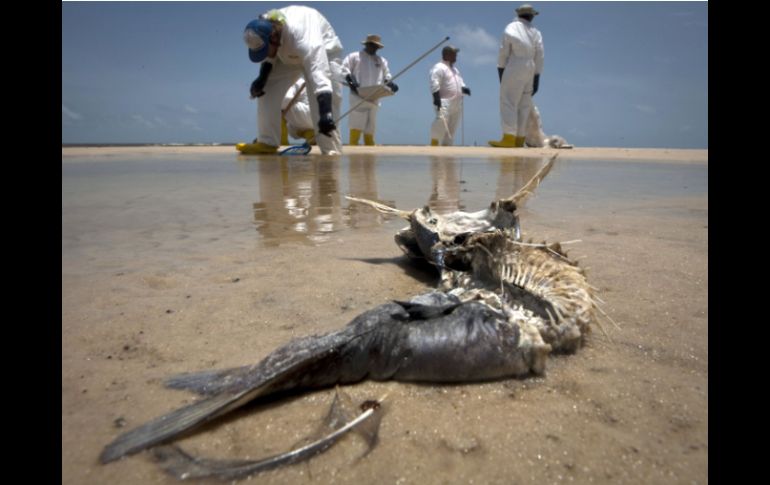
<point x="424" y="312"/>
<point x="382" y="208"/>
<point x="182" y="465"/>
<point x="282" y="369"/>
<point x="208" y="382"/>
<point x="169" y="425"/>
<point x="523" y="193"/>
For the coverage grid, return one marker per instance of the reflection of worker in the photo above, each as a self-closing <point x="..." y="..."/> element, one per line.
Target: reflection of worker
<point x="515" y="172"/>
<point x="295" y="109"/>
<point x="362" y="177"/>
<point x="292" y="42"/>
<point x="447" y="88"/>
<point x="519" y="64"/>
<point x="363" y="69"/>
<point x="445" y="196"/>
<point x="299" y="200"/>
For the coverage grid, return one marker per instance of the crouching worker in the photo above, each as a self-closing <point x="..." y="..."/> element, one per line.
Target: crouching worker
<point x="296" y="119"/>
<point x="290" y="43"/>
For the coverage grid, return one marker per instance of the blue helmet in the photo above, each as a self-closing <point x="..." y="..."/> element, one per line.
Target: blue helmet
<point x="257" y="38"/>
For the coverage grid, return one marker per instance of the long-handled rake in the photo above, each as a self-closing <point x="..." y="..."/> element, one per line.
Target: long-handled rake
<point x="304" y="149"/>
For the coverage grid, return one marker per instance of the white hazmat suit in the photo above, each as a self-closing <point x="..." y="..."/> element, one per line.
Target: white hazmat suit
<point x="310" y="48"/>
<point x="368" y="70"/>
<point x="446" y="79"/>
<point x="521" y="57"/>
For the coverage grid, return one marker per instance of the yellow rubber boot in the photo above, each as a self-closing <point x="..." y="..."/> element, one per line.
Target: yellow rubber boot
<point x="508" y="141"/>
<point x="257" y="148"/>
<point x="520" y="140"/>
<point x="284" y="132"/>
<point x="309" y="136"/>
<point x="368" y="139"/>
<point x="433" y="142"/>
<point x="354" y="136"/>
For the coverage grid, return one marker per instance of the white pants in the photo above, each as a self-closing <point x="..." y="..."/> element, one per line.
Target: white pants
<point x="364" y="117"/>
<point x="281" y="78"/>
<point x="447" y="119"/>
<point x="516" y="99"/>
<point x="298" y="120"/>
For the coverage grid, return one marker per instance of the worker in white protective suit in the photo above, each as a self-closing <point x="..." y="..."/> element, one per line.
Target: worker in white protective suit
<point x="447" y="88"/>
<point x="295" y="110"/>
<point x="292" y="42"/>
<point x="519" y="65"/>
<point x="365" y="68"/>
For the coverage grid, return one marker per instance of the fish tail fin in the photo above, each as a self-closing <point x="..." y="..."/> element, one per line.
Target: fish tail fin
<point x="209" y="382"/>
<point x="170" y="425"/>
<point x="229" y="389"/>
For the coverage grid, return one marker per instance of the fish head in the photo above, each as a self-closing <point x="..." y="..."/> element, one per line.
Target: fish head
<point x="505" y="217"/>
<point x="426" y="228"/>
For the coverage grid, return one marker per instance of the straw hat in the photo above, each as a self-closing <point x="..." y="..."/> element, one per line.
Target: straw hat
<point x="526" y="9"/>
<point x="373" y="39"/>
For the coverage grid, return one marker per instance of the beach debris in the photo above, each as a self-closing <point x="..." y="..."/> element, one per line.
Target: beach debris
<point x="343" y="417"/>
<point x="535" y="137"/>
<point x="501" y="306"/>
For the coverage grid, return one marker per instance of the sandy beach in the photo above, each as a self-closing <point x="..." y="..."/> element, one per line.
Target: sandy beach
<point x="175" y="259"/>
<point x="647" y="154"/>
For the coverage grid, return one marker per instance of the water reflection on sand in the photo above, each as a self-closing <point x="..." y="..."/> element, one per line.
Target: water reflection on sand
<point x="301" y="199"/>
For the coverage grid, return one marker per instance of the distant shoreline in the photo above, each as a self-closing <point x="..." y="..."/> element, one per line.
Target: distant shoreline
<point x="590" y="153"/>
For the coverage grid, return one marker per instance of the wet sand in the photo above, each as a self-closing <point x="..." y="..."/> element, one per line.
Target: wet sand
<point x="618" y="154"/>
<point x="178" y="266"/>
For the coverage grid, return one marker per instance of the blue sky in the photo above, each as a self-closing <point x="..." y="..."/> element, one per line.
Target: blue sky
<point x="617" y="74"/>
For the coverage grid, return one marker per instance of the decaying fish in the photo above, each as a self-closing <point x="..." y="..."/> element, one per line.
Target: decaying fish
<point x="538" y="278"/>
<point x="480" y="255"/>
<point x="501" y="307"/>
<point x="433" y="337"/>
<point x="429" y="234"/>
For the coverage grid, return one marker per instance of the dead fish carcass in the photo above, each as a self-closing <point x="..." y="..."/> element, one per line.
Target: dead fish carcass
<point x="501" y="308"/>
<point x="434" y="337"/>
<point x="429" y="235"/>
<point x="481" y="256"/>
<point x="539" y="279"/>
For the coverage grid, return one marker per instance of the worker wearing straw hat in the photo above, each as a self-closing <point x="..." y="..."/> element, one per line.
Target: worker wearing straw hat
<point x="362" y="69"/>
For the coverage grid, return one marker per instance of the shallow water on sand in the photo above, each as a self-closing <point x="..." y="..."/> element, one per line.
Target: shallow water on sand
<point x="177" y="263"/>
<point x="299" y="199"/>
